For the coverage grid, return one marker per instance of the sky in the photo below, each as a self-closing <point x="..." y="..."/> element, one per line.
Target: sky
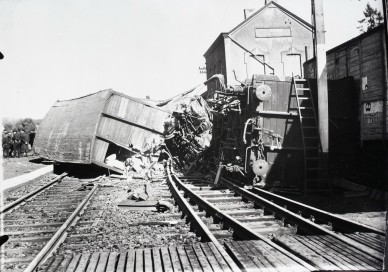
<point x="58" y="50"/>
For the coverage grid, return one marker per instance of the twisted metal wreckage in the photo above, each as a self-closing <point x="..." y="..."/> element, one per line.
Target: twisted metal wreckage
<point x="203" y="135"/>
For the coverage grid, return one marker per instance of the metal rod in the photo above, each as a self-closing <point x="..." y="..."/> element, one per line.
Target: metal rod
<point x="302" y="222"/>
<point x="198" y="221"/>
<point x="253" y="55"/>
<point x="57" y="236"/>
<point x="239" y="228"/>
<point x="29" y="195"/>
<point x="317" y="213"/>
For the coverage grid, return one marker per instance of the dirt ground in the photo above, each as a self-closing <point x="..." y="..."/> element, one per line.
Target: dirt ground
<point x="13" y="167"/>
<point x="361" y="209"/>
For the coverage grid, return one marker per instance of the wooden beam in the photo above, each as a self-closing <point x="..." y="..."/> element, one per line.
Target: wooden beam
<point x="320" y="48"/>
<point x="130" y="123"/>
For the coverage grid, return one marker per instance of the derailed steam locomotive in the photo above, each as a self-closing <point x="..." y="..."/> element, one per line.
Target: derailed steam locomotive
<point x="244" y="141"/>
<point x="239" y="133"/>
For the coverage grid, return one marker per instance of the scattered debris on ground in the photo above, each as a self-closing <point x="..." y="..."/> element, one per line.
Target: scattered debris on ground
<point x="118" y="229"/>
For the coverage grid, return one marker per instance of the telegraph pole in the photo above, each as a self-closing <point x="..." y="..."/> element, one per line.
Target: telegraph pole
<point x="321" y="70"/>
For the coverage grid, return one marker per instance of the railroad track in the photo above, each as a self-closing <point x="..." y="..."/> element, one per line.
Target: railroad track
<point x="239" y="230"/>
<point x="185" y="257"/>
<point x="103" y="216"/>
<point x="252" y="217"/>
<point x="36" y="222"/>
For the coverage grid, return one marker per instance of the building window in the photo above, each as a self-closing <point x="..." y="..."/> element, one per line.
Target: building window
<point x="292" y="65"/>
<point x="259" y="57"/>
<point x="253" y="64"/>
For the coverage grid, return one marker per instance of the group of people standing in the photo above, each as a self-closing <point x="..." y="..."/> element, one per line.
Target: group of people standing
<point x="16" y="143"/>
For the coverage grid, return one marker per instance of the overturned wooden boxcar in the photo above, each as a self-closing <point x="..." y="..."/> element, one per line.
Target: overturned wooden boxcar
<point x="86" y="130"/>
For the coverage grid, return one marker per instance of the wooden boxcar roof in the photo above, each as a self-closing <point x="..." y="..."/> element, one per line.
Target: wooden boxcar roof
<point x="79" y="130"/>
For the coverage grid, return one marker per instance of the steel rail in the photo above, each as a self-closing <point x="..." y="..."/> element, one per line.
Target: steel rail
<point x="31" y="194"/>
<point x="197" y="223"/>
<point x="302" y="223"/>
<point x="337" y="222"/>
<point x="240" y="230"/>
<point x="57" y="238"/>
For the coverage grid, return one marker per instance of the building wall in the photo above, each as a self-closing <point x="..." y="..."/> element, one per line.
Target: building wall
<point x="277" y="37"/>
<point x="215" y="64"/>
<point x="364" y="59"/>
<point x="272" y="36"/>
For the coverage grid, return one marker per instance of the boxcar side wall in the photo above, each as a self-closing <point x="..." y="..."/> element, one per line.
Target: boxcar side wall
<point x="363" y="58"/>
<point x="129" y="124"/>
<point x="67" y="131"/>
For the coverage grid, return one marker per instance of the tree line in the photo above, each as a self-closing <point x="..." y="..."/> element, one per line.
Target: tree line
<point x="27" y="124"/>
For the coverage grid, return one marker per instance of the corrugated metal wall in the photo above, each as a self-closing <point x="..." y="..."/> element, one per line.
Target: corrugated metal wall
<point x="67" y="131"/>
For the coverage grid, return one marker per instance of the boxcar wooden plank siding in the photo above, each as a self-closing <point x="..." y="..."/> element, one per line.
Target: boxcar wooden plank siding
<point x="363" y="58"/>
<point x="125" y="134"/>
<point x="100" y="148"/>
<point x="80" y="130"/>
<point x="136" y="113"/>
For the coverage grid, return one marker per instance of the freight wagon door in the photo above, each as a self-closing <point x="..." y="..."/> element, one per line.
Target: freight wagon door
<point x="99" y="150"/>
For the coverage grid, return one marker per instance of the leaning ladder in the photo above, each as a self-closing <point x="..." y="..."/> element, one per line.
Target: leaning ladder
<point x="316" y="177"/>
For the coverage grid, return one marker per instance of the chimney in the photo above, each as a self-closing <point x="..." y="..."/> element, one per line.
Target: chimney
<point x="248" y="12"/>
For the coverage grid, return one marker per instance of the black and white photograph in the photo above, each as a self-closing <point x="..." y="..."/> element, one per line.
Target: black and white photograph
<point x="193" y="135"/>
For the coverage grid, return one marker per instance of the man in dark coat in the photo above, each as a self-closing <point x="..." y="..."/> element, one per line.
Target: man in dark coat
<point x="32" y="138"/>
<point x="5" y="143"/>
<point x="10" y="139"/>
<point x="25" y="138"/>
<point x="17" y="140"/>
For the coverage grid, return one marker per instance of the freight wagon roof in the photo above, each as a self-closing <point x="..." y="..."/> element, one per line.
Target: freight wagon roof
<point x="67" y="131"/>
<point x="108" y="92"/>
<point x="351" y="41"/>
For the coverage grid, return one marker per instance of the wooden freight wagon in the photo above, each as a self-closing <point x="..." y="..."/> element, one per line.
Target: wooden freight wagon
<point x="362" y="62"/>
<point x="365" y="59"/>
<point x="86" y="130"/>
